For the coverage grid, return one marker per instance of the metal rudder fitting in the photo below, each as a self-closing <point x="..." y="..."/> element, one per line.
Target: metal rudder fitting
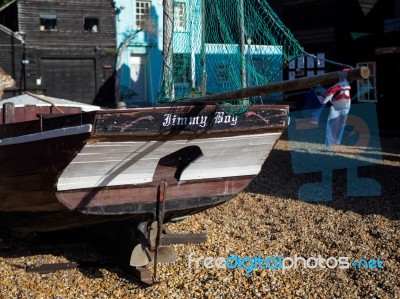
<point x="153" y="240"/>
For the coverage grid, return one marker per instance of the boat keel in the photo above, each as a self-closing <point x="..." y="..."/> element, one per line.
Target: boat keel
<point x="152" y="241"/>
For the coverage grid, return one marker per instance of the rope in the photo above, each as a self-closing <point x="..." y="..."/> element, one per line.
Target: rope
<point x="329" y="61"/>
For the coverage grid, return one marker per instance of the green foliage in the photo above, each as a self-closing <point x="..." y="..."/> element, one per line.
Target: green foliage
<point x="4" y="2"/>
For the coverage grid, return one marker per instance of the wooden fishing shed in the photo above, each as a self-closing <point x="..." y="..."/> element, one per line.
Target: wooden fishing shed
<point x="60" y="48"/>
<point x="354" y="32"/>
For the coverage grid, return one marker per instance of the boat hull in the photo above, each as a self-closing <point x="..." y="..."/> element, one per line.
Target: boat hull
<point x="25" y="223"/>
<point x="78" y="170"/>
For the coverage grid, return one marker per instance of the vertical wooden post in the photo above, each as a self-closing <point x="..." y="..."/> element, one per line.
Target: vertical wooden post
<point x="160" y="222"/>
<point x="203" y="48"/>
<point x="8" y="113"/>
<point x="168" y="26"/>
<point x="242" y="44"/>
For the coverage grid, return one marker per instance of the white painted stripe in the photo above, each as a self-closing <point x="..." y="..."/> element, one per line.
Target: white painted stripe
<point x="201" y="173"/>
<point x="137" y="166"/>
<point x="170" y="146"/>
<point x="111" y="180"/>
<point x="47" y="135"/>
<point x="123" y="163"/>
<point x="119" y="157"/>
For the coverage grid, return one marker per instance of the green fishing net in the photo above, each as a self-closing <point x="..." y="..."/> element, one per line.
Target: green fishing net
<point x="234" y="44"/>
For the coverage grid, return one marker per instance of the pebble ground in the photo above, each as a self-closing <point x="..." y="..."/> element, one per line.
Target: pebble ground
<point x="268" y="220"/>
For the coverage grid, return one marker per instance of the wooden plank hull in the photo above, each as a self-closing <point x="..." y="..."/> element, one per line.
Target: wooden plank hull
<point x="82" y="169"/>
<point x="23" y="223"/>
<point x="143" y="198"/>
<point x="123" y="163"/>
<point x="29" y="172"/>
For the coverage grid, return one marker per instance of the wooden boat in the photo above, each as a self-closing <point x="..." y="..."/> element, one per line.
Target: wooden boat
<point x="65" y="171"/>
<point x="147" y="166"/>
<point x="72" y="170"/>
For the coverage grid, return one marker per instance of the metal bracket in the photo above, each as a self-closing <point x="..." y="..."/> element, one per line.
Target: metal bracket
<point x="155" y="236"/>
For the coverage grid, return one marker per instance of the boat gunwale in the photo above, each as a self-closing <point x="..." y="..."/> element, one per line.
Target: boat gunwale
<point x="78" y="119"/>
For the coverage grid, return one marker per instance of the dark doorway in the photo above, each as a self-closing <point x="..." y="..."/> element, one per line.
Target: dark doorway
<point x="71" y="79"/>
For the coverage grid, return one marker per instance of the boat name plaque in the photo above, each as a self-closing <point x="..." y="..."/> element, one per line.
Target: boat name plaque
<point x="150" y="121"/>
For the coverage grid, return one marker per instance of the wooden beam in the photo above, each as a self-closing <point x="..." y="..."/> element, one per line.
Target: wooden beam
<point x="283" y="86"/>
<point x="168" y="27"/>
<point x="44" y="99"/>
<point x="8" y="113"/>
<point x="169" y="239"/>
<point x="203" y="49"/>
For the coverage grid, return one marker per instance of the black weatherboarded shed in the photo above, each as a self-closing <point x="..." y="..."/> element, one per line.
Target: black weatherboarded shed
<point x="64" y="49"/>
<point x="355" y="32"/>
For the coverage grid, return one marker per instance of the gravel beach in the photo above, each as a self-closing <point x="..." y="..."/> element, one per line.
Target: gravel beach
<point x="267" y="220"/>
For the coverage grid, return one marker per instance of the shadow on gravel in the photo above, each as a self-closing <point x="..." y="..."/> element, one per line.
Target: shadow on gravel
<point x="277" y="179"/>
<point x="88" y="250"/>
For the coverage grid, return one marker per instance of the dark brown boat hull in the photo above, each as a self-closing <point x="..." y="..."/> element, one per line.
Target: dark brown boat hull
<point x="25" y="223"/>
<point x="78" y="170"/>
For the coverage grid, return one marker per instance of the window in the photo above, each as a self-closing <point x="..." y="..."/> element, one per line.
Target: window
<point x="222" y="73"/>
<point x="91" y="24"/>
<point x="142" y="13"/>
<point x="307" y="66"/>
<point x="182" y="72"/>
<point x="48" y="22"/>
<point x="391" y="25"/>
<point x="180" y="16"/>
<point x="367" y="88"/>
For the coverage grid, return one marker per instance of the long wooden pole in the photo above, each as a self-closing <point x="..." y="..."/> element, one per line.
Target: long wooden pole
<point x="203" y="48"/>
<point x="168" y="25"/>
<point x="242" y="44"/>
<point x="44" y="99"/>
<point x="290" y="85"/>
<point x="8" y="113"/>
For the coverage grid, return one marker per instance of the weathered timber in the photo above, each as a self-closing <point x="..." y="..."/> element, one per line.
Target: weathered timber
<point x="81" y="169"/>
<point x="54" y="58"/>
<point x="187" y="120"/>
<point x="30" y="112"/>
<point x="168" y="239"/>
<point x="45" y="99"/>
<point x="283" y="86"/>
<point x="87" y="200"/>
<point x="8" y="113"/>
<point x="167" y="46"/>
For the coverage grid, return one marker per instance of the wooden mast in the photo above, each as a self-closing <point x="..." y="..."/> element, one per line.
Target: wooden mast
<point x="168" y="26"/>
<point x="203" y="48"/>
<point x="242" y="44"/>
<point x="290" y="85"/>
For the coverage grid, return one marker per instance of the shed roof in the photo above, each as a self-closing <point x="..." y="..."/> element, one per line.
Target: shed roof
<point x="39" y="100"/>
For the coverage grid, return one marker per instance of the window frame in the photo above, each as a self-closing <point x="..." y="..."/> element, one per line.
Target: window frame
<point x="180" y="20"/>
<point x="97" y="24"/>
<point x="139" y="15"/>
<point x="44" y="20"/>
